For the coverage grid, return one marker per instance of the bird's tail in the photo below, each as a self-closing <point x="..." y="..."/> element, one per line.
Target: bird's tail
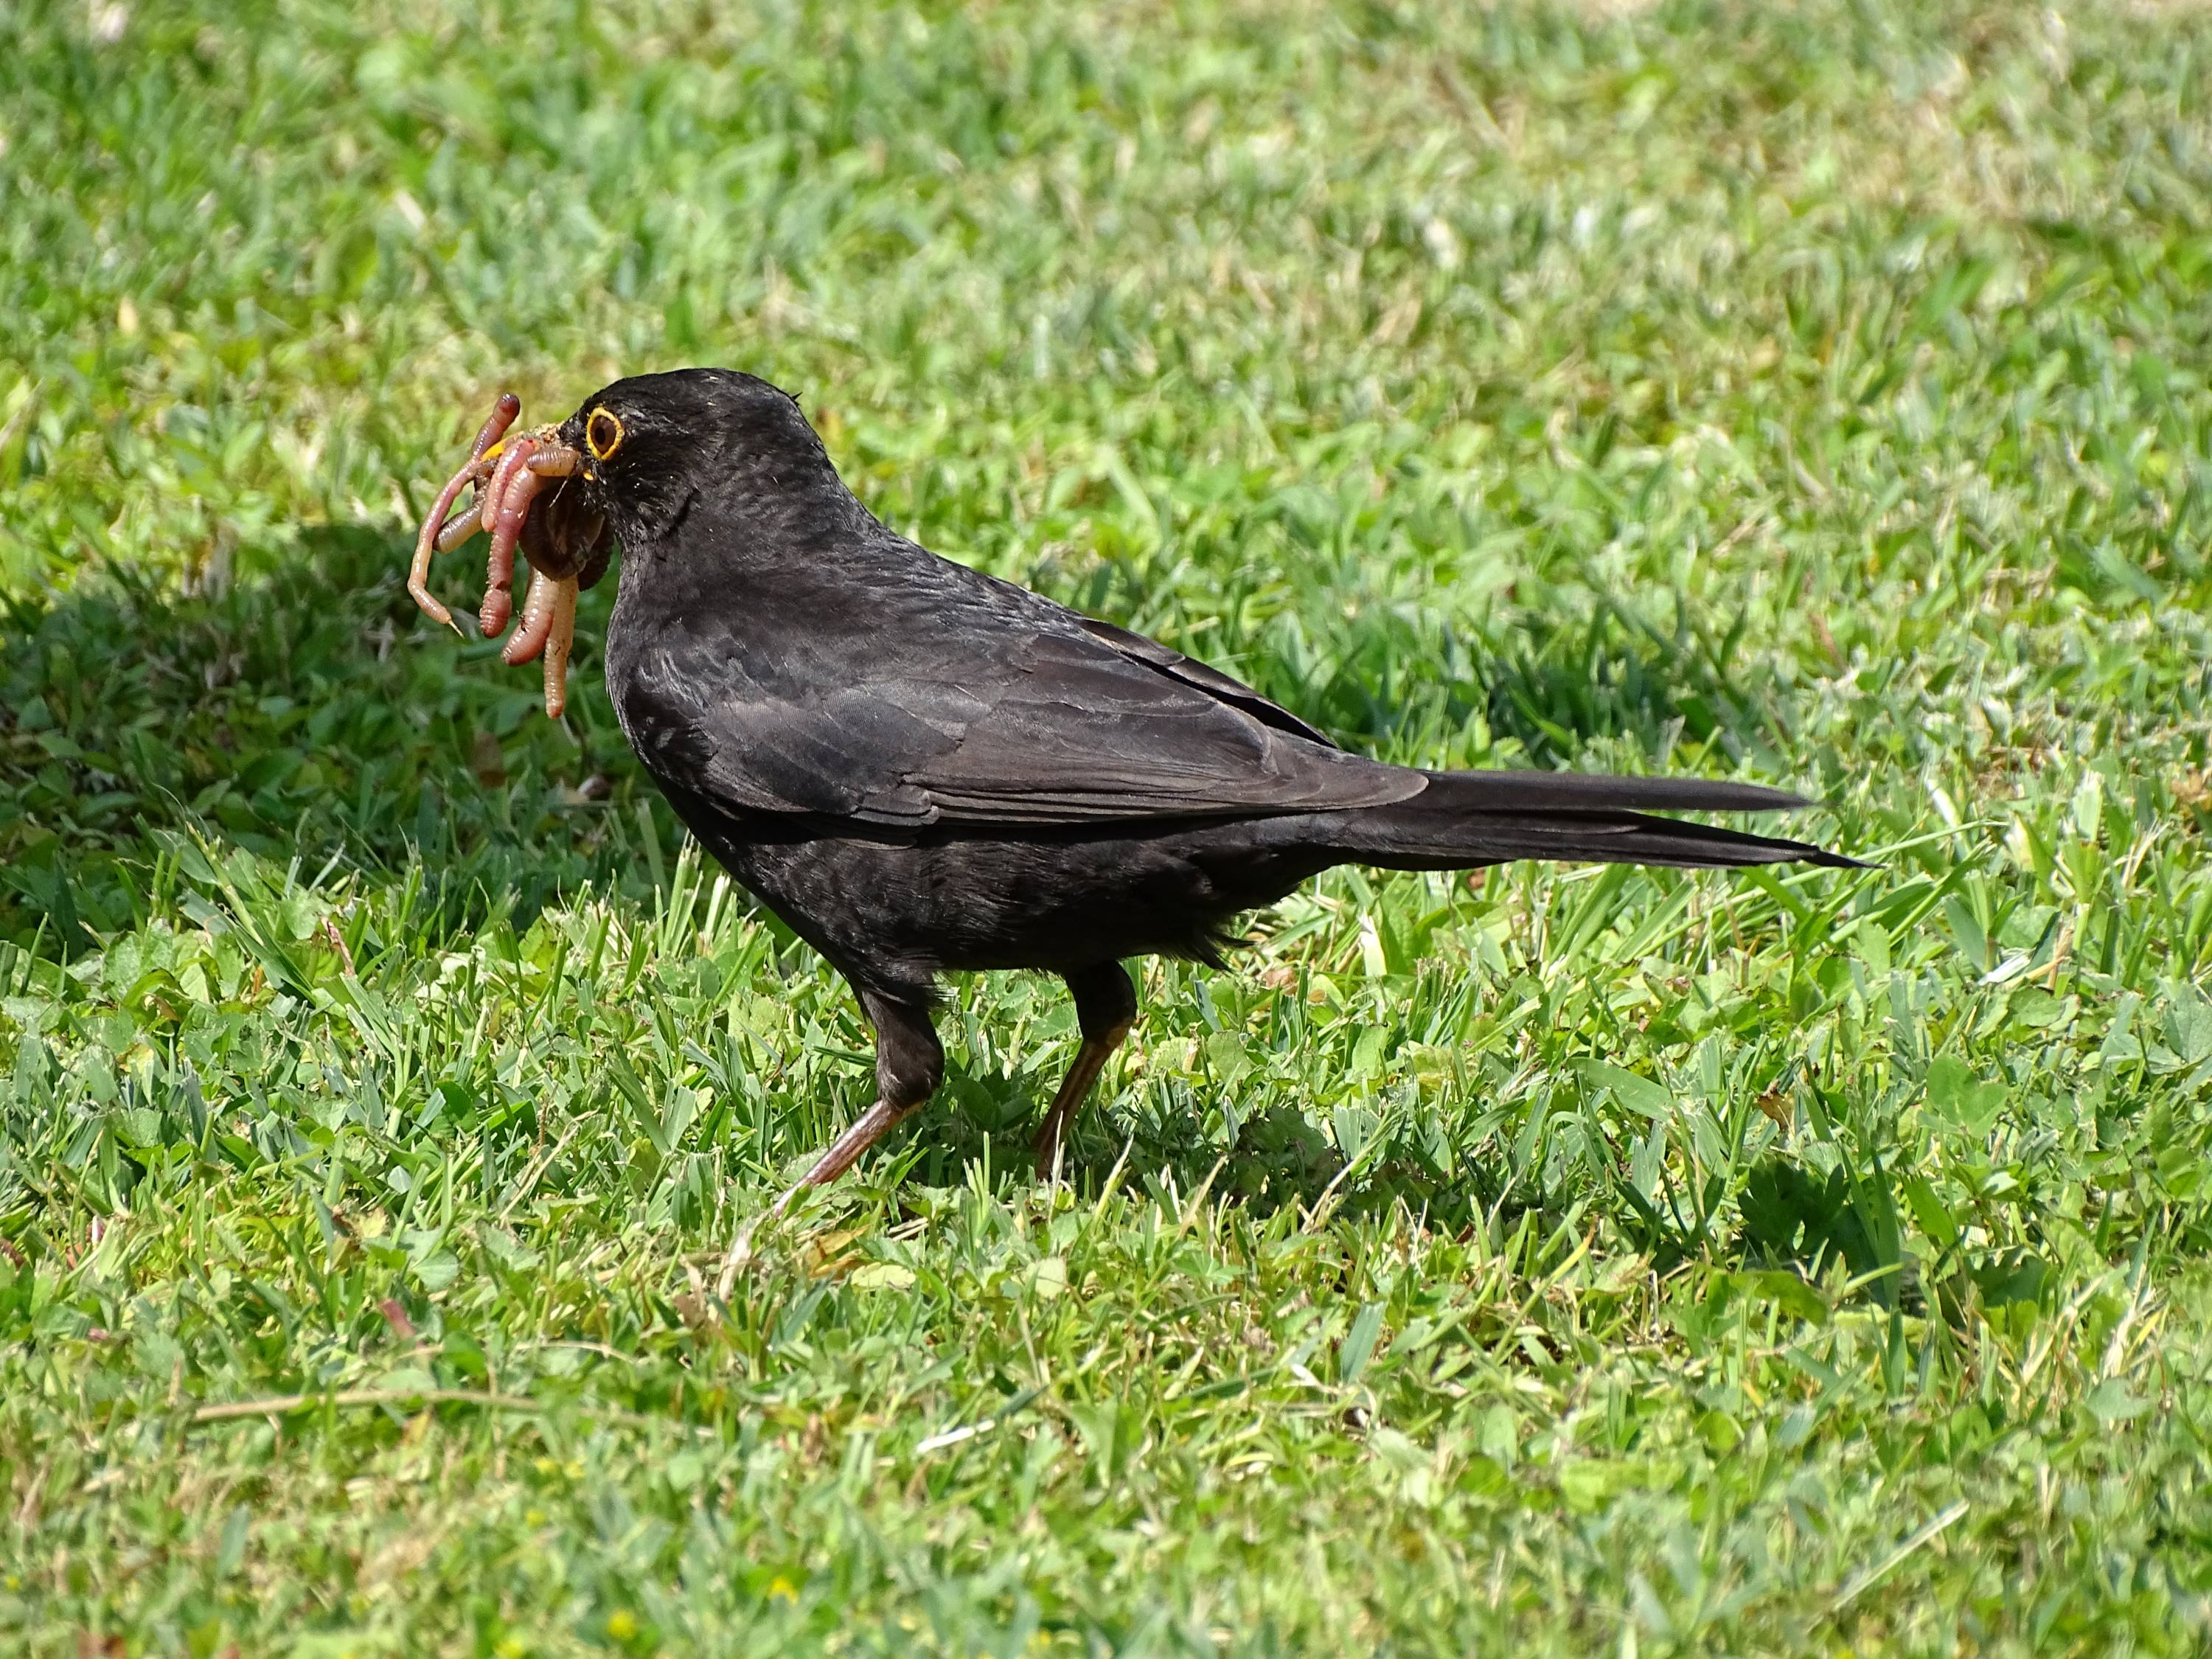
<point x="1465" y="819"/>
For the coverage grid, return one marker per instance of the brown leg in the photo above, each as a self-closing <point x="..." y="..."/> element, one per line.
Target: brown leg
<point x="1105" y="1009"/>
<point x="909" y="1063"/>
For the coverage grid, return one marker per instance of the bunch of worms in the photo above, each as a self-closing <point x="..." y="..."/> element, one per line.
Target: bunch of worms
<point x="525" y="500"/>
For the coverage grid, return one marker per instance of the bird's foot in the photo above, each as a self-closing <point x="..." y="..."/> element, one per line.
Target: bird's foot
<point x="1089" y="1060"/>
<point x="872" y="1125"/>
<point x="1047" y="1146"/>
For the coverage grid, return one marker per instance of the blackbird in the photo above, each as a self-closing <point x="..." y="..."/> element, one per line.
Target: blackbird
<point x="921" y="767"/>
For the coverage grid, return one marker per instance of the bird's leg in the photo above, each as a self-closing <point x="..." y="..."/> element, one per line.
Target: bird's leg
<point x="909" y="1061"/>
<point x="1105" y="1009"/>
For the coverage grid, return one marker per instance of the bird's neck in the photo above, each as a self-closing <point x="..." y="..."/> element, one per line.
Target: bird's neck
<point x="724" y="551"/>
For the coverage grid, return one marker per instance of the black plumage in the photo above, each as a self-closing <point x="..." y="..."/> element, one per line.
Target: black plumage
<point x="921" y="767"/>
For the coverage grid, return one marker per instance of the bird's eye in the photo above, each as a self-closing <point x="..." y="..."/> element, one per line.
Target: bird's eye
<point x="603" y="433"/>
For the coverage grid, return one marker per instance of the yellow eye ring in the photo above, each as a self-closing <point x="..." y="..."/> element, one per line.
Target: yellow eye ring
<point x="603" y="433"/>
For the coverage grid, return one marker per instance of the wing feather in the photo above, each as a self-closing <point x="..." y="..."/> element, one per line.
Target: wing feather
<point x="951" y="710"/>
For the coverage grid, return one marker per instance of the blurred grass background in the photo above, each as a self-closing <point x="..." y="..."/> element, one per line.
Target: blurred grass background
<point x="1578" y="1260"/>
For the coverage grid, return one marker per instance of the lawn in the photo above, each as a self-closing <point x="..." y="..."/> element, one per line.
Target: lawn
<point x="1566" y="1262"/>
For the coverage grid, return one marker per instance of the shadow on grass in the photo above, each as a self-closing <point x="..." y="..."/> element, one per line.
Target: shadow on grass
<point x="302" y="709"/>
<point x="1278" y="1157"/>
<point x="1556" y="688"/>
<point x="305" y="710"/>
<point x="1414" y="690"/>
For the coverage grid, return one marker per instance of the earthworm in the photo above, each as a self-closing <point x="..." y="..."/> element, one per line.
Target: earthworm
<point x="557" y="461"/>
<point x="548" y="626"/>
<point x="559" y="640"/>
<point x="562" y="551"/>
<point x="506" y="500"/>
<point x="418" y="573"/>
<point x="532" y="632"/>
<point x="458" y="528"/>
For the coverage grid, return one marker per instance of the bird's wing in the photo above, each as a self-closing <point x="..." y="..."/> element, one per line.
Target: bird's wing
<point x="1212" y="681"/>
<point x="1087" y="730"/>
<point x="973" y="707"/>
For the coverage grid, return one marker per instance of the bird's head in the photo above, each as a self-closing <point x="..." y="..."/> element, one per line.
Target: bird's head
<point x="648" y="444"/>
<point x="626" y="466"/>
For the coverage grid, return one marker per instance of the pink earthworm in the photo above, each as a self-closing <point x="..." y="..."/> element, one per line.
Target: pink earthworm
<point x="557" y="461"/>
<point x="458" y="528"/>
<point x="549" y="627"/>
<point x="418" y="573"/>
<point x="559" y="640"/>
<point x="505" y="502"/>
<point x="534" y="462"/>
<point x="536" y="627"/>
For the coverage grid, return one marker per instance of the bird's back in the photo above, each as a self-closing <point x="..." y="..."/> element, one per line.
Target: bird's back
<point x="853" y="677"/>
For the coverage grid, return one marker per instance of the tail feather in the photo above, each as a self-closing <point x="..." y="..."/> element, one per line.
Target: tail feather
<point x="1547" y="792"/>
<point x="1464" y="819"/>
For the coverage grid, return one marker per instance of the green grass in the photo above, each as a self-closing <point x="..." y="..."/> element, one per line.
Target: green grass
<point x="1574" y="1262"/>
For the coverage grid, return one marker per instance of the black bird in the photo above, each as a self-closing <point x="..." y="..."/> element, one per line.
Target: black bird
<point x="921" y="767"/>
